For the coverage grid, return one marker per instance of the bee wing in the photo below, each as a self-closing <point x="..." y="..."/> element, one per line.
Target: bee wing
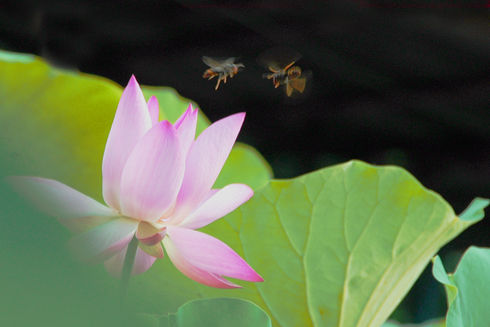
<point x="298" y="83"/>
<point x="210" y="61"/>
<point x="307" y="74"/>
<point x="217" y="63"/>
<point x="278" y="57"/>
<point x="289" y="89"/>
<point x="274" y="67"/>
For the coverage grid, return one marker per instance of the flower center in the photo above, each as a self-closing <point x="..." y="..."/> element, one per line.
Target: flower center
<point x="150" y="235"/>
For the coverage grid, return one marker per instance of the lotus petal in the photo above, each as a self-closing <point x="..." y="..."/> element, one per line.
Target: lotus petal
<point x="153" y="174"/>
<point x="219" y="205"/>
<point x="210" y="254"/>
<point x="186" y="128"/>
<point x="131" y="122"/>
<point x="155" y="250"/>
<point x="194" y="273"/>
<point x="204" y="162"/>
<point x="153" y="109"/>
<point x="142" y="262"/>
<point x="57" y="199"/>
<point x="149" y="234"/>
<point x="102" y="242"/>
<point x="83" y="224"/>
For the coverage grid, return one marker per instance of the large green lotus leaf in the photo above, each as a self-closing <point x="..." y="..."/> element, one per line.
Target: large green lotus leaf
<point x="467" y="289"/>
<point x="218" y="312"/>
<point x="337" y="247"/>
<point x="432" y="323"/>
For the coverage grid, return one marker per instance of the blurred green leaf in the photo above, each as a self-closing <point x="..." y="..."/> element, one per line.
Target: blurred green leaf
<point x="467" y="289"/>
<point x="432" y="323"/>
<point x="475" y="210"/>
<point x="7" y="56"/>
<point x="219" y="312"/>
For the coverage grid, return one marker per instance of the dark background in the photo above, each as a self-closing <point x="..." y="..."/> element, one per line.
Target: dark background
<point x="393" y="82"/>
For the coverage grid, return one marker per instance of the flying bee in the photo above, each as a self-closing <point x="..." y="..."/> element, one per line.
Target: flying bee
<point x="289" y="75"/>
<point x="280" y="61"/>
<point x="220" y="68"/>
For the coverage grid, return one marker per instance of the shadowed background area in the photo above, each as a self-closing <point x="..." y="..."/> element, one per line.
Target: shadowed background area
<point x="393" y="82"/>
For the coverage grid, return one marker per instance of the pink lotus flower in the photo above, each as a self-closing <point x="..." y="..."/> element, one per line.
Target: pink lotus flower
<point x="157" y="183"/>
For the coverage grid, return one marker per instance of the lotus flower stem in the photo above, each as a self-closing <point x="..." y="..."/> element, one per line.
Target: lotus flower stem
<point x="128" y="266"/>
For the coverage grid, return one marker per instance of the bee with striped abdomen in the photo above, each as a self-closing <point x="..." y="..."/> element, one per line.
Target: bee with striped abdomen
<point x="220" y="68"/>
<point x="290" y="75"/>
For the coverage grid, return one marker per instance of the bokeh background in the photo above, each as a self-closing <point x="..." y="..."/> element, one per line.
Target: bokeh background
<point x="401" y="82"/>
